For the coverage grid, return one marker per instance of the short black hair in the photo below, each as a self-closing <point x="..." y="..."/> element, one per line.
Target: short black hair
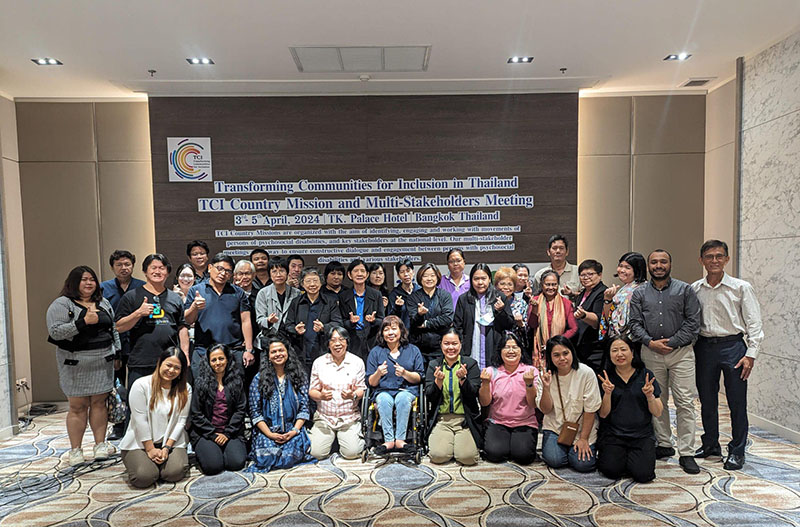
<point x="332" y="266"/>
<point x="517" y="267"/>
<point x="355" y="263"/>
<point x="559" y="340"/>
<point x="339" y="330"/>
<point x="404" y="261"/>
<point x="278" y="262"/>
<point x="222" y="257"/>
<point x="590" y="264"/>
<point x="258" y="250"/>
<point x="159" y="257"/>
<point x="556" y="238"/>
<point x="638" y="263"/>
<point x="455" y="250"/>
<point x="120" y="254"/>
<point x="713" y="244"/>
<point x="295" y="257"/>
<point x="660" y="251"/>
<point x="196" y="243"/>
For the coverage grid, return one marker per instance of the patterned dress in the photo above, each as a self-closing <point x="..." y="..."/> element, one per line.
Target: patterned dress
<point x="280" y="411"/>
<point x="617" y="321"/>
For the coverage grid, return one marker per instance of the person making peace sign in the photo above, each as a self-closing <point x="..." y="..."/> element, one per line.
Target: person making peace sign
<point x="626" y="444"/>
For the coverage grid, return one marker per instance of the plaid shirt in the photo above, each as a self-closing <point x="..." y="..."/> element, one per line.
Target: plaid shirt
<point x="338" y="412"/>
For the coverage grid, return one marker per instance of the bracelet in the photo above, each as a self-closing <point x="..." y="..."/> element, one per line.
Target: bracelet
<point x="296" y="429"/>
<point x="608" y="301"/>
<point x="529" y="385"/>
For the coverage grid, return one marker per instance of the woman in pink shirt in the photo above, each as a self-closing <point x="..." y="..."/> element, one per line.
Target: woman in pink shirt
<point x="508" y="388"/>
<point x="550" y="314"/>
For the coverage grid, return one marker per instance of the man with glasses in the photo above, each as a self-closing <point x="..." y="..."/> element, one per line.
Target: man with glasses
<point x="220" y="312"/>
<point x="588" y="311"/>
<point x="730" y="335"/>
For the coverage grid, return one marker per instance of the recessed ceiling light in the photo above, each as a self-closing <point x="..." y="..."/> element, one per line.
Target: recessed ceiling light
<point x="47" y="61"/>
<point x="519" y="60"/>
<point x="194" y="61"/>
<point x="678" y="56"/>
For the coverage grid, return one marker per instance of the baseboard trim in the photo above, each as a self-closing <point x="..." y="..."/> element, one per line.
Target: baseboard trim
<point x="775" y="428"/>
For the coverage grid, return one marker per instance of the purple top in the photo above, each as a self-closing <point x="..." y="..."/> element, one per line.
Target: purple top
<point x="448" y="285"/>
<point x="219" y="412"/>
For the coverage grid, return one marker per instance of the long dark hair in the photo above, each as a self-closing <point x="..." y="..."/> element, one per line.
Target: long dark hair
<point x="496" y="359"/>
<point x="178" y="387"/>
<point x="205" y="383"/>
<point x="383" y="288"/>
<point x="559" y="340"/>
<point x="294" y="369"/>
<point x="72" y="285"/>
<point x="491" y="292"/>
<point x="636" y="349"/>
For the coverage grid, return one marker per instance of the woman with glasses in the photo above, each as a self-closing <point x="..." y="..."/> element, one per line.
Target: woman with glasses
<point x="508" y="388"/>
<point x="337" y="385"/>
<point x="588" y="312"/>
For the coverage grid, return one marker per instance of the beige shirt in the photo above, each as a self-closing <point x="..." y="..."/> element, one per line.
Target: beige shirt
<point x="569" y="278"/>
<point x="581" y="396"/>
<point x="730" y="308"/>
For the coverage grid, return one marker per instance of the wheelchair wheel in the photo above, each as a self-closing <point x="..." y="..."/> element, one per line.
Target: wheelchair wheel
<point x="418" y="456"/>
<point x="364" y="455"/>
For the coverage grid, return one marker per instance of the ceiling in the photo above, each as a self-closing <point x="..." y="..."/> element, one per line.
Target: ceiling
<point x="611" y="46"/>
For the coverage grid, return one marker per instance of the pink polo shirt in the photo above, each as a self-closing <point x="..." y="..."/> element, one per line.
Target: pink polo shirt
<point x="509" y="406"/>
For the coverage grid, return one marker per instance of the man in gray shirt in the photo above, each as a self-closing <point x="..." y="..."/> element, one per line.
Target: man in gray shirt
<point x="665" y="318"/>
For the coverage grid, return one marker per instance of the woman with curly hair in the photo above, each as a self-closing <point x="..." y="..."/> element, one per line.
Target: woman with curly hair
<point x="279" y="409"/>
<point x="219" y="404"/>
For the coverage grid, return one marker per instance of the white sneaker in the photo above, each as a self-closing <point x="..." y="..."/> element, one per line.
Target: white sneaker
<point x="101" y="451"/>
<point x="76" y="457"/>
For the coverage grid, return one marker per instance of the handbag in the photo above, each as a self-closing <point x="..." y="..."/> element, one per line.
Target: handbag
<point x="570" y="428"/>
<point x="115" y="405"/>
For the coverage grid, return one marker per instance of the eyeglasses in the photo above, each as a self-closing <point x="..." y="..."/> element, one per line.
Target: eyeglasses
<point x="222" y="270"/>
<point x="337" y="339"/>
<point x="713" y="257"/>
<point x="586" y="276"/>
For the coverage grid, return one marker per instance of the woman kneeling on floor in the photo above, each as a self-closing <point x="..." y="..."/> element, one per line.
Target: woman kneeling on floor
<point x="279" y="409"/>
<point x="219" y="404"/>
<point x="154" y="447"/>
<point x="569" y="398"/>
<point x="630" y="401"/>
<point x="451" y="385"/>
<point x="508" y="388"/>
<point x="337" y="385"/>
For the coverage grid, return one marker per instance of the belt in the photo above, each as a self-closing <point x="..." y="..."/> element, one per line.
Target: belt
<point x="720" y="340"/>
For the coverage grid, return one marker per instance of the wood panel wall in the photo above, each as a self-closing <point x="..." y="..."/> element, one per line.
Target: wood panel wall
<point x="531" y="136"/>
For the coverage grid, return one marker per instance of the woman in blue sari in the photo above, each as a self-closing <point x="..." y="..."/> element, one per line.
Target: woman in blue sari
<point x="279" y="409"/>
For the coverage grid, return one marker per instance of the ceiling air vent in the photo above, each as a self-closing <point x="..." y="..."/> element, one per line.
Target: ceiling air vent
<point x="330" y="59"/>
<point x="697" y="82"/>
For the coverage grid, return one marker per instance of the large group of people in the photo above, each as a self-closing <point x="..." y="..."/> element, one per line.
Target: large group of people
<point x="262" y="364"/>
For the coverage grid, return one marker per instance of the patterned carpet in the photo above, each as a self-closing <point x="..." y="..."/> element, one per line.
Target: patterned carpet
<point x="37" y="488"/>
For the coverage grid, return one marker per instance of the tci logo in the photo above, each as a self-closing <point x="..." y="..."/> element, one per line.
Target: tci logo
<point x="189" y="158"/>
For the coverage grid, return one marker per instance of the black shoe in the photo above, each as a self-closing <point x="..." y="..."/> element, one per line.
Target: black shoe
<point x="733" y="462"/>
<point x="664" y="451"/>
<point x="704" y="452"/>
<point x="381" y="450"/>
<point x="408" y="448"/>
<point x="689" y="465"/>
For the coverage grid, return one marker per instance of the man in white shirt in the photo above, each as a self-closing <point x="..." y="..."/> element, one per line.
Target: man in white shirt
<point x="557" y="251"/>
<point x="730" y="335"/>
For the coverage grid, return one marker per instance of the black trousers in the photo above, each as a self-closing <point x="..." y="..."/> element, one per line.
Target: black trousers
<point x="213" y="458"/>
<point x="504" y="443"/>
<point x="618" y="456"/>
<point x="713" y="359"/>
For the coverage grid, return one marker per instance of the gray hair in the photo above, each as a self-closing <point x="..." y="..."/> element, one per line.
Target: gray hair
<point x="241" y="264"/>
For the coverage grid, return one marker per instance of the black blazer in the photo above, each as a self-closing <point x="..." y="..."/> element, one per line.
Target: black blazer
<point x="585" y="340"/>
<point x="362" y="341"/>
<point x="202" y="410"/>
<point x="464" y="322"/>
<point x="437" y="320"/>
<point x="469" y="397"/>
<point x="298" y="312"/>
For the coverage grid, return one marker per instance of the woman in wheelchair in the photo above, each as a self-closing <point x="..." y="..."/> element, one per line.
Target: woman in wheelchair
<point x="279" y="409"/>
<point x="337" y="385"/>
<point x="394" y="370"/>
<point x="451" y="387"/>
<point x="508" y="388"/>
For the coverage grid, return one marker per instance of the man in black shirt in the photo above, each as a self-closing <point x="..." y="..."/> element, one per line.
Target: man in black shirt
<point x="153" y="316"/>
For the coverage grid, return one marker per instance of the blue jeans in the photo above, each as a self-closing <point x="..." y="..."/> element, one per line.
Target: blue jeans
<point x="558" y="456"/>
<point x="402" y="406"/>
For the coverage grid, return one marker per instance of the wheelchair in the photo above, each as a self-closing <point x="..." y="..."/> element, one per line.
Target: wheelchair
<point x="416" y="433"/>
